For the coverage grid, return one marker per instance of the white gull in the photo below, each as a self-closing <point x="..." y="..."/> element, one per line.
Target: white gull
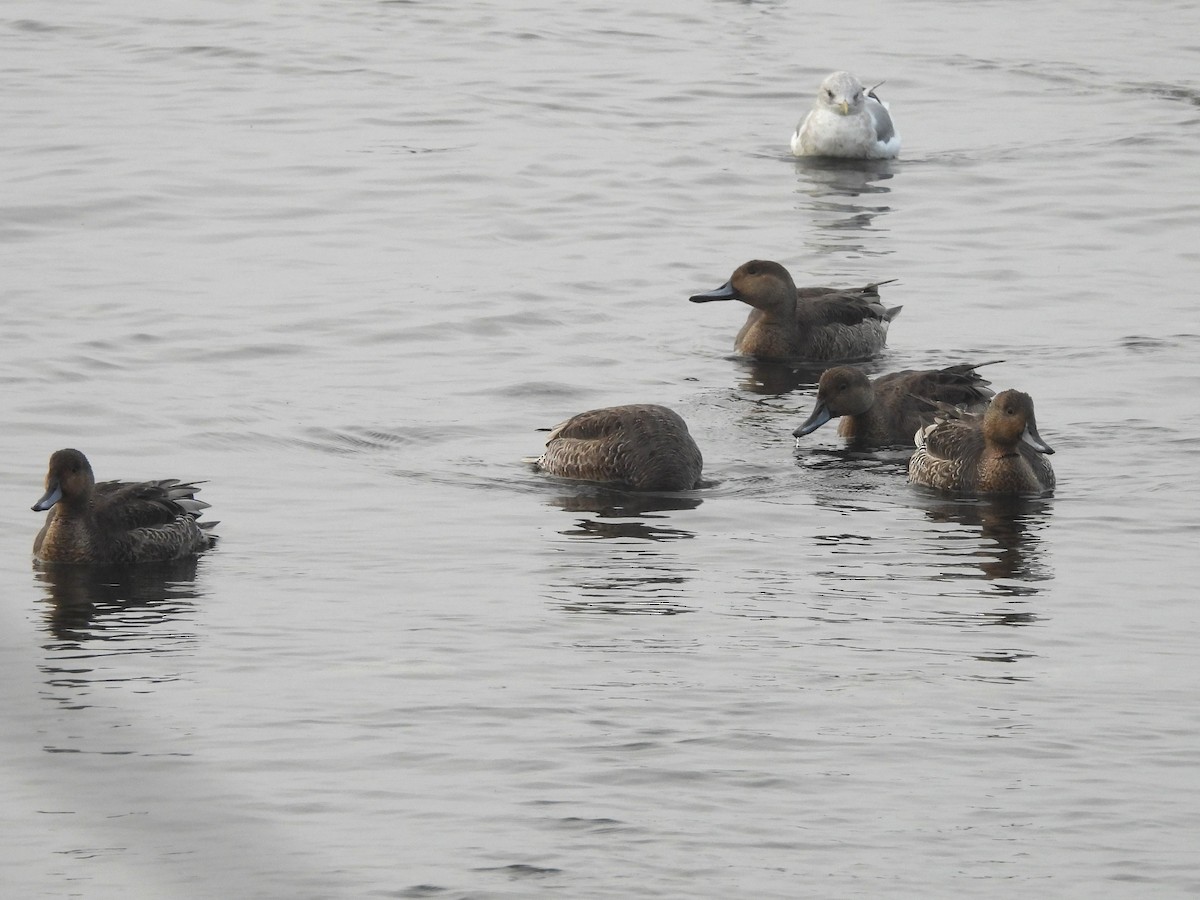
<point x="846" y="122"/>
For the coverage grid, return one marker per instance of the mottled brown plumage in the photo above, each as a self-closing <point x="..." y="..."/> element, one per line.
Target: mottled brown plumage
<point x="641" y="446"/>
<point x="999" y="452"/>
<point x="812" y="323"/>
<point x="889" y="410"/>
<point x="116" y="521"/>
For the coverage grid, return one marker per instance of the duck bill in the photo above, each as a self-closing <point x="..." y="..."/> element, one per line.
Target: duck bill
<point x="53" y="495"/>
<point x="820" y="415"/>
<point x="1031" y="437"/>
<point x="724" y="292"/>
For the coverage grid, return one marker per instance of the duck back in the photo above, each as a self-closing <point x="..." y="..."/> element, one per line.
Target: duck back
<point x="641" y="446"/>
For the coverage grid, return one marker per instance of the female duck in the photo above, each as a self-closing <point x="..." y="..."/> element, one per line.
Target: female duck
<point x="889" y="409"/>
<point x="116" y="521"/>
<point x="812" y="323"/>
<point x="999" y="452"/>
<point x="643" y="447"/>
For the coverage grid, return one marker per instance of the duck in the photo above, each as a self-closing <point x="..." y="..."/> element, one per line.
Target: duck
<point x="816" y="324"/>
<point x="888" y="410"/>
<point x="999" y="452"/>
<point x="643" y="447"/>
<point x="116" y="522"/>
<point x="846" y="122"/>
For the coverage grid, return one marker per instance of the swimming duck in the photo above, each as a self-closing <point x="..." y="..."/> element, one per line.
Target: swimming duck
<point x="889" y="409"/>
<point x="116" y="521"/>
<point x="846" y="122"/>
<point x="640" y="446"/>
<point x="813" y="323"/>
<point x="999" y="452"/>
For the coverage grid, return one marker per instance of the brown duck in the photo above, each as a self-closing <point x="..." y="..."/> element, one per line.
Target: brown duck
<point x="889" y="410"/>
<point x="999" y="452"/>
<point x="640" y="446"/>
<point x="116" y="521"/>
<point x="821" y="324"/>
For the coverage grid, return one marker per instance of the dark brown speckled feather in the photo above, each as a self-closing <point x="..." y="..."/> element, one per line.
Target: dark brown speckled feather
<point x="114" y="521"/>
<point x="999" y="452"/>
<point x="889" y="410"/>
<point x="642" y="446"/>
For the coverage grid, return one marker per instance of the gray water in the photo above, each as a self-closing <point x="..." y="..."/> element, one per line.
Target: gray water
<point x="342" y="260"/>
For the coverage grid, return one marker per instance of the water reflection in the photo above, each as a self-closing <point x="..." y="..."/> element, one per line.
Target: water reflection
<point x="776" y="378"/>
<point x="833" y="187"/>
<point x="1010" y="548"/>
<point x="115" y="603"/>
<point x="629" y="583"/>
<point x="625" y="514"/>
<point x="622" y="566"/>
<point x="840" y="476"/>
<point x="953" y="543"/>
<point x="822" y="177"/>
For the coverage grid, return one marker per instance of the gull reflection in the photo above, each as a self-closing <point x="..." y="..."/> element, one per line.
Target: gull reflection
<point x="836" y="192"/>
<point x="825" y="177"/>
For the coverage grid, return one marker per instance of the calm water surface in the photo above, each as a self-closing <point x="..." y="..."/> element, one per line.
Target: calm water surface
<point x="343" y="259"/>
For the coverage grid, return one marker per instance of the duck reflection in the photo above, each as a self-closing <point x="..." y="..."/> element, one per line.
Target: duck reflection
<point x="632" y="575"/>
<point x="105" y="603"/>
<point x="1011" y="547"/>
<point x="625" y="514"/>
<point x="778" y="378"/>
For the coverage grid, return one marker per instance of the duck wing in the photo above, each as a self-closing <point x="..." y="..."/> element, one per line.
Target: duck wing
<point x="843" y="307"/>
<point x="950" y="440"/>
<point x="125" y="506"/>
<point x="586" y="426"/>
<point x="957" y="386"/>
<point x="632" y="418"/>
